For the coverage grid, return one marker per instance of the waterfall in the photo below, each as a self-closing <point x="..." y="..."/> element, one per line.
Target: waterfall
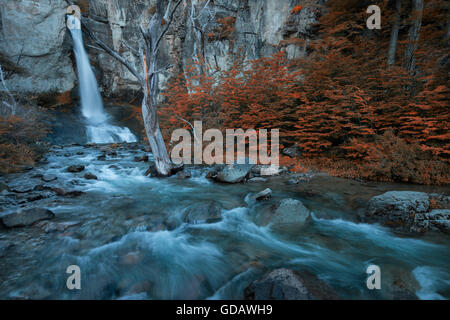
<point x="98" y="128"/>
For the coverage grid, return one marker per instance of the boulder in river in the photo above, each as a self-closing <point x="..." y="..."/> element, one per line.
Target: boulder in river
<point x="90" y="176"/>
<point x="212" y="174"/>
<point x="292" y="182"/>
<point x="435" y="220"/>
<point x="439" y="201"/>
<point x="26" y="217"/>
<point x="407" y="211"/>
<point x="287" y="213"/>
<point x="49" y="178"/>
<point x="203" y="212"/>
<point x="265" y="194"/>
<point x="234" y="173"/>
<point x="287" y="284"/>
<point x="291" y="211"/>
<point x="185" y="174"/>
<point x="143" y="158"/>
<point x="75" y="168"/>
<point x="198" y="213"/>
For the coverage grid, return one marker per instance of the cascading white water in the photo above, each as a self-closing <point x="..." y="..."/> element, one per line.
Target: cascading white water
<point x="99" y="130"/>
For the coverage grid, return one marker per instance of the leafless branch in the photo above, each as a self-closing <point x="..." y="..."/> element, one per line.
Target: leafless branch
<point x="111" y="52"/>
<point x="164" y="69"/>
<point x="133" y="50"/>
<point x="96" y="48"/>
<point x="168" y="23"/>
<point x="190" y="124"/>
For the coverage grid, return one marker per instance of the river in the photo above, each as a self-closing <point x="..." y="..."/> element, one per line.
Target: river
<point x="117" y="233"/>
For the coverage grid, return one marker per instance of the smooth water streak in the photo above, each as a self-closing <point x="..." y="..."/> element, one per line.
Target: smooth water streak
<point x="98" y="128"/>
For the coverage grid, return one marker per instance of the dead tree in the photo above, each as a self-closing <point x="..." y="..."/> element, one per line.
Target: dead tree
<point x="394" y="34"/>
<point x="413" y="35"/>
<point x="148" y="78"/>
<point x="12" y="104"/>
<point x="198" y="31"/>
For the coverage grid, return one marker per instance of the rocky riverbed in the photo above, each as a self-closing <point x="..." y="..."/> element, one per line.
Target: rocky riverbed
<point x="219" y="233"/>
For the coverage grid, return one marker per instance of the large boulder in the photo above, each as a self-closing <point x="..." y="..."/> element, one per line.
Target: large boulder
<point x="203" y="212"/>
<point x="234" y="173"/>
<point x="409" y="211"/>
<point x="198" y="213"/>
<point x="90" y="176"/>
<point x="25" y="217"/>
<point x="75" y="168"/>
<point x="287" y="213"/>
<point x="396" y="208"/>
<point x="286" y="284"/>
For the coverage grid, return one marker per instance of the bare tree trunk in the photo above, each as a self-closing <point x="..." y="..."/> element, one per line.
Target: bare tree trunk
<point x="153" y="37"/>
<point x="413" y="35"/>
<point x="12" y="105"/>
<point x="394" y="34"/>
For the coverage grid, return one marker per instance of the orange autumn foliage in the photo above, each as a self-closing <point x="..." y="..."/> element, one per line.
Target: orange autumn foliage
<point x="350" y="114"/>
<point x="224" y="30"/>
<point x="21" y="138"/>
<point x="258" y="94"/>
<point x="297" y="9"/>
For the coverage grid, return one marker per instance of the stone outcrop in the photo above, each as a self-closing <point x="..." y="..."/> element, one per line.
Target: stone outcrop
<point x="35" y="47"/>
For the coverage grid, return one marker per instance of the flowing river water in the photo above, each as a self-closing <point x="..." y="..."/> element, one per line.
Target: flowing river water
<point x="116" y="233"/>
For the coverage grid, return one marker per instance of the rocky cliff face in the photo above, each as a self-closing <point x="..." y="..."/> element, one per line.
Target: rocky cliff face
<point x="35" y="42"/>
<point x="35" y="46"/>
